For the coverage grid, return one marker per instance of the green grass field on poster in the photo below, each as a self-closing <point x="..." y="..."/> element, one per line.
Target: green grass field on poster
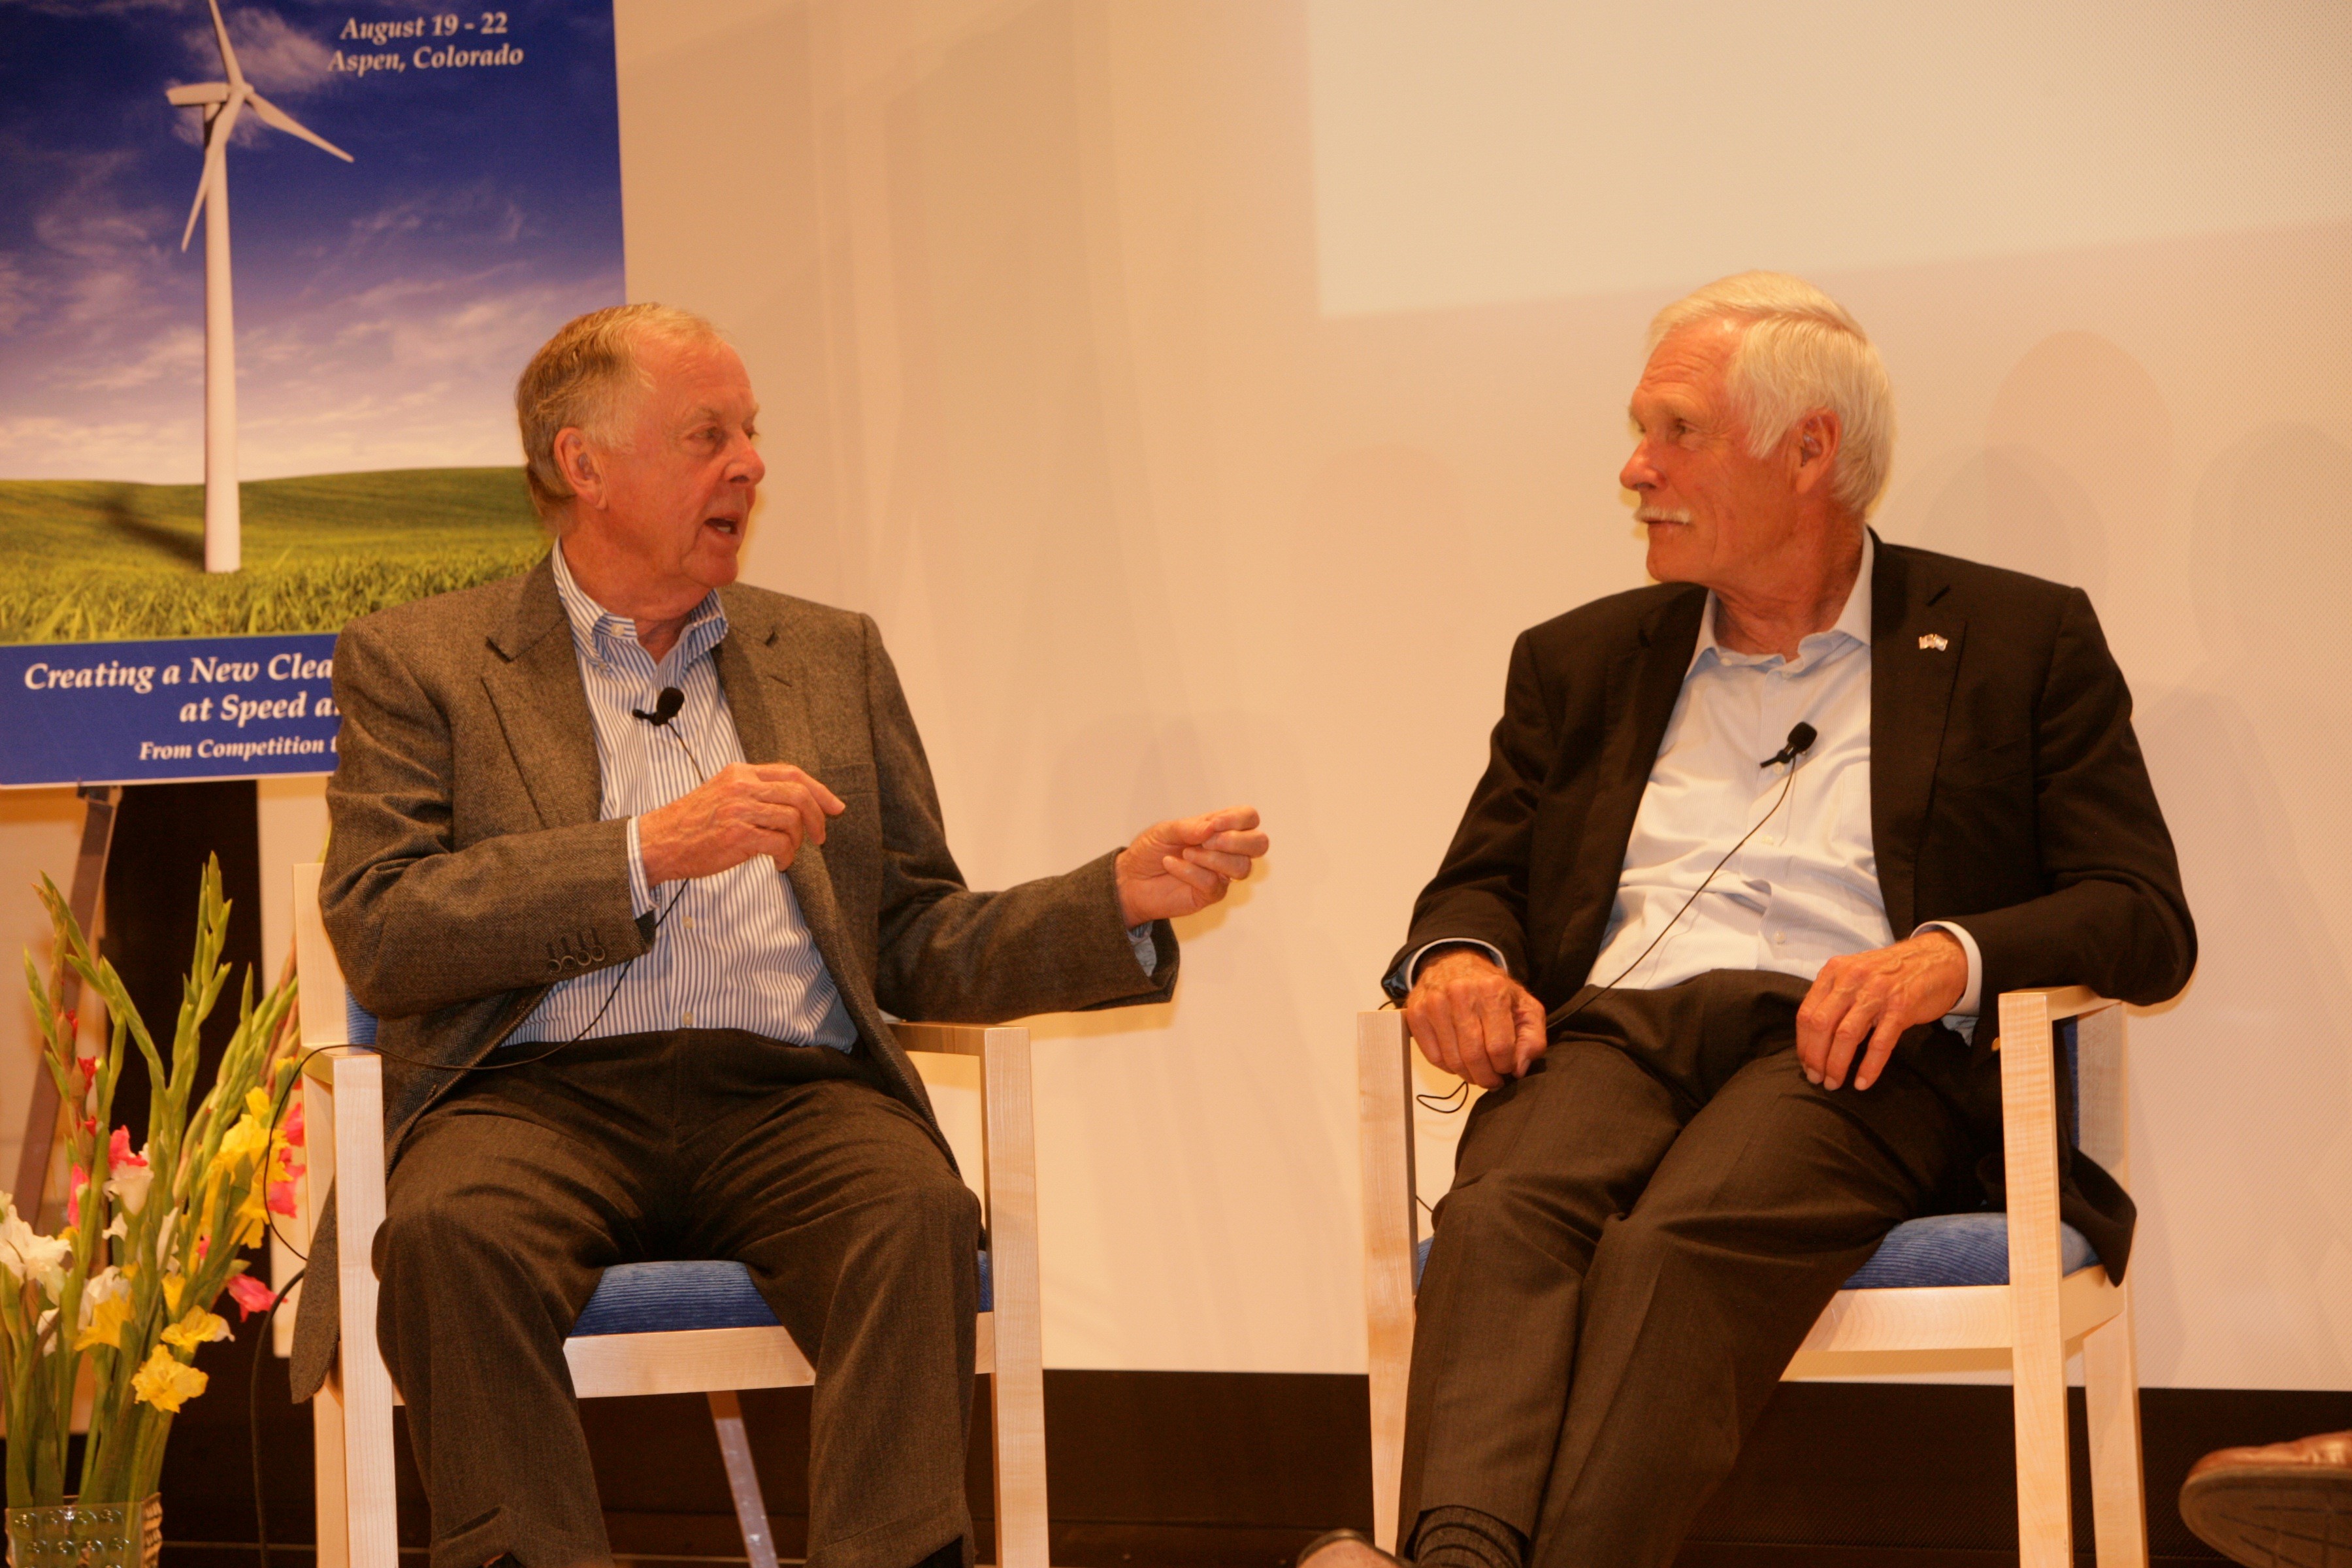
<point x="98" y="561"/>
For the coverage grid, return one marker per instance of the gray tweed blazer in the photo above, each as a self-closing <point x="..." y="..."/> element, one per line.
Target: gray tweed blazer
<point x="468" y="869"/>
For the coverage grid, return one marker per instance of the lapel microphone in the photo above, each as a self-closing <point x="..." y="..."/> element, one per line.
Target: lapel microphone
<point x="666" y="707"/>
<point x="1800" y="741"/>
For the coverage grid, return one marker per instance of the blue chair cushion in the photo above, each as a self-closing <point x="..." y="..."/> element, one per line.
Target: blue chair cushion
<point x="1941" y="1249"/>
<point x="1956" y="1250"/>
<point x="358" y="1022"/>
<point x="661" y="1298"/>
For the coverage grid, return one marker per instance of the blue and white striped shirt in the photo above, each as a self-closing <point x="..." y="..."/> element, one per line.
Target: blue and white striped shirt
<point x="733" y="951"/>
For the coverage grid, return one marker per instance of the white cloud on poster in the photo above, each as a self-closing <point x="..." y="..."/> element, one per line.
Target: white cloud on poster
<point x="177" y="353"/>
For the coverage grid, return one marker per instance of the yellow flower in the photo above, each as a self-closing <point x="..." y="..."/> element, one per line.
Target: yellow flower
<point x="245" y="1141"/>
<point x="258" y="1106"/>
<point x="199" y="1327"/>
<point x="166" y="1382"/>
<point x="173" y="1284"/>
<point x="106" y="1321"/>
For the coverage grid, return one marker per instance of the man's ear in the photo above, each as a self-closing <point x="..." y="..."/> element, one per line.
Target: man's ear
<point x="577" y="462"/>
<point x="1813" y="448"/>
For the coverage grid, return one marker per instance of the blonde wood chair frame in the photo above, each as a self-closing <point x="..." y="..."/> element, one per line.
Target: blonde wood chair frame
<point x="344" y="1105"/>
<point x="2032" y="1324"/>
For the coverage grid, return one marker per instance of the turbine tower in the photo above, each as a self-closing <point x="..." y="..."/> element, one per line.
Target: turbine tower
<point x="222" y="102"/>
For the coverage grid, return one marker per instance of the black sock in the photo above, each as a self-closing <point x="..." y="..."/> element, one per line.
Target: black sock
<point x="947" y="1556"/>
<point x="1465" y="1538"/>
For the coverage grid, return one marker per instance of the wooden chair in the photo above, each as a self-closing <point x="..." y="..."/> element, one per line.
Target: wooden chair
<point x="1947" y="1292"/>
<point x="652" y="1327"/>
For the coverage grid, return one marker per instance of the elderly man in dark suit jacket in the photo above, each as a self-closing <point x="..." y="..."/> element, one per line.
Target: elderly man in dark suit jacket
<point x="637" y="864"/>
<point x="1720" y="934"/>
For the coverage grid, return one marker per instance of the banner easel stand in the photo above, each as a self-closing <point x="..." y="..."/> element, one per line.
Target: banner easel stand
<point x="38" y="1182"/>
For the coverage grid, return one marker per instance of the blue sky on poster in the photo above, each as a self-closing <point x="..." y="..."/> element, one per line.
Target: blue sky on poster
<point x="382" y="306"/>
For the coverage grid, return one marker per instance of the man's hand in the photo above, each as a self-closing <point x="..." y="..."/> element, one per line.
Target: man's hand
<point x="1472" y="1019"/>
<point x="1182" y="867"/>
<point x="744" y="810"/>
<point x="1874" y="996"/>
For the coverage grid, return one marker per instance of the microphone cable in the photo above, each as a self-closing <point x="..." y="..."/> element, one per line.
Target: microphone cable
<point x="1801" y="737"/>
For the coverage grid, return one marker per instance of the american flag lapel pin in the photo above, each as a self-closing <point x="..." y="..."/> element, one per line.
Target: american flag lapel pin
<point x="1936" y="640"/>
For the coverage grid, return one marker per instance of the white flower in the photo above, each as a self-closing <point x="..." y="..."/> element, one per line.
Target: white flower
<point x="164" y="1241"/>
<point x="28" y="1255"/>
<point x="127" y="1185"/>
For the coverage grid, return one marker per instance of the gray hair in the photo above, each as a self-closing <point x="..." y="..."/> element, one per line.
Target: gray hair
<point x="580" y="379"/>
<point x="1799" y="351"/>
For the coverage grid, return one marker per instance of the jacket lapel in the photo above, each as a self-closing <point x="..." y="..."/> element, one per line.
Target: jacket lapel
<point x="1914" y="660"/>
<point x="757" y="670"/>
<point x="535" y="688"/>
<point x="1644" y="682"/>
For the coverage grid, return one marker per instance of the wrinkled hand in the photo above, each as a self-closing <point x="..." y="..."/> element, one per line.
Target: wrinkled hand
<point x="1472" y="1019"/>
<point x="1183" y="867"/>
<point x="745" y="809"/>
<point x="1874" y="996"/>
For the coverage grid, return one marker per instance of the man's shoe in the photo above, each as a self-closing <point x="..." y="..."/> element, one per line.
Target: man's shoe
<point x="2282" y="1505"/>
<point x="1347" y="1549"/>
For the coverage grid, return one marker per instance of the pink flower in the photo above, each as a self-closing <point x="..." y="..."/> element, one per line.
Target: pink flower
<point x="281" y="1198"/>
<point x="252" y="1295"/>
<point x="117" y="1151"/>
<point x="73" y="1197"/>
<point x="290" y="1126"/>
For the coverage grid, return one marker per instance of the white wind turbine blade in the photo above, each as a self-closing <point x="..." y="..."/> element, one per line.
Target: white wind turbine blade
<point x="273" y="115"/>
<point x="228" y="55"/>
<point x="199" y="94"/>
<point x="215" y="159"/>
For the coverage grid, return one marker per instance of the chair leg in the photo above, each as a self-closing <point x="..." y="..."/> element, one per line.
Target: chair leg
<point x="333" y="1499"/>
<point x="742" y="1480"/>
<point x="2118" y="1485"/>
<point x="2045" y="1524"/>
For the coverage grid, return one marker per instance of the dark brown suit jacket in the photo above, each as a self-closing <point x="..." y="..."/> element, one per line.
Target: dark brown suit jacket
<point x="2007" y="796"/>
<point x="468" y="869"/>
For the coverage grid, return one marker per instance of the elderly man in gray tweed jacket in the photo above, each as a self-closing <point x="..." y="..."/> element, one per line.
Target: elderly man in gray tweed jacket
<point x="637" y="864"/>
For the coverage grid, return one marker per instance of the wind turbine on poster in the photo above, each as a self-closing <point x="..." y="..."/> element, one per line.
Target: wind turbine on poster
<point x="222" y="102"/>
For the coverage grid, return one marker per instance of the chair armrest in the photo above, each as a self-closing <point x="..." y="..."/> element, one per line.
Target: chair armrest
<point x="2029" y="1112"/>
<point x="944" y="1039"/>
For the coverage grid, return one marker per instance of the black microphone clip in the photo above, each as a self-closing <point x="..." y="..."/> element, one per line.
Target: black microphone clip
<point x="666" y="707"/>
<point x="1800" y="741"/>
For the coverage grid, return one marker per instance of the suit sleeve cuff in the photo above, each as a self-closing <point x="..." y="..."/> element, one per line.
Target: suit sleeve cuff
<point x="641" y="893"/>
<point x="1971" y="1002"/>
<point x="1401" y="981"/>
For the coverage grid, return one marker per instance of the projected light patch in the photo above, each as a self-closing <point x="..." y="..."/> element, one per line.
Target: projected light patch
<point x="1474" y="153"/>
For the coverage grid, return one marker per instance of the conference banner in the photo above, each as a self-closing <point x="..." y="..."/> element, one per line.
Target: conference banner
<point x="220" y="441"/>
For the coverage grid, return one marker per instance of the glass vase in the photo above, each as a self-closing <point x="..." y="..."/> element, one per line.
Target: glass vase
<point x="87" y="1535"/>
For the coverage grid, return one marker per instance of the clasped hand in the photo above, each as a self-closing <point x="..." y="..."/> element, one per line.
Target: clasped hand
<point x="745" y="809"/>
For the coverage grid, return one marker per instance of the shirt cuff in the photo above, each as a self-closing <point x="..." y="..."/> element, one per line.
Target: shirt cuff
<point x="1147" y="951"/>
<point x="1971" y="1000"/>
<point x="1401" y="980"/>
<point x="641" y="893"/>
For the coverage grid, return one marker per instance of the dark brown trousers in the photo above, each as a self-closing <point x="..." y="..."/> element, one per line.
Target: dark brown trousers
<point x="1640" y="1234"/>
<point x="513" y="1194"/>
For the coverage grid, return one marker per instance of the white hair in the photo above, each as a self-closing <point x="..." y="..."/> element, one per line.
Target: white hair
<point x="579" y="379"/>
<point x="1799" y="351"/>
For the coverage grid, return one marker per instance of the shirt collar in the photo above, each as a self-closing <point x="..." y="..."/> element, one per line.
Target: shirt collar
<point x="1852" y="623"/>
<point x="599" y="634"/>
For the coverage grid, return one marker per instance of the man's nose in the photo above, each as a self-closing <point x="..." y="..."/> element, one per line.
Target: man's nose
<point x="1637" y="475"/>
<point x="749" y="466"/>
